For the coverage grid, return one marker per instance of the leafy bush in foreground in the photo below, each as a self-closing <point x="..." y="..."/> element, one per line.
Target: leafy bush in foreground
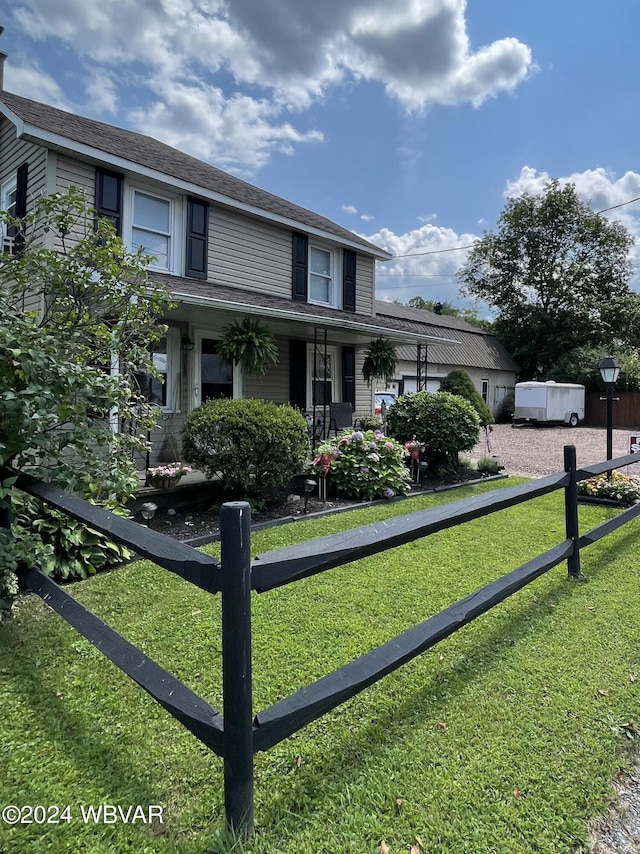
<point x="365" y="465"/>
<point x="445" y="423"/>
<point x="254" y="446"/>
<point x="459" y="382"/>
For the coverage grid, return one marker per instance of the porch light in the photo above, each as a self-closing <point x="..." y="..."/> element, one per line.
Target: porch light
<point x="148" y="511"/>
<point x="187" y="344"/>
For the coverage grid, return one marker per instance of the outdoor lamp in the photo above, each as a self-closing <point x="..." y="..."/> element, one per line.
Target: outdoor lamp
<point x="609" y="370"/>
<point x="187" y="345"/>
<point x="309" y="485"/>
<point x="148" y="511"/>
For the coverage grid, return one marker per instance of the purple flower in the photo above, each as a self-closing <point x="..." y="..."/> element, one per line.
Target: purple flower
<point x="373" y="446"/>
<point x="364" y="469"/>
<point x="389" y="446"/>
<point x="388" y="492"/>
<point x="357" y="436"/>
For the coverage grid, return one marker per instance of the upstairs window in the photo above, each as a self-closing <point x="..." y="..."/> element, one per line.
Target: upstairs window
<point x="320" y="276"/>
<point x="151" y="228"/>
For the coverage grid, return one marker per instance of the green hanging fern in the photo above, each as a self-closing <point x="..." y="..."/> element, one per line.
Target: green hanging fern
<point x="379" y="361"/>
<point x="249" y="345"/>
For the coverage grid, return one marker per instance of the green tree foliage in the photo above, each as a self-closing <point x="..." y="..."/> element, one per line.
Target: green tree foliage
<point x="255" y="446"/>
<point x="446" y="423"/>
<point x="77" y="318"/>
<point x="582" y="365"/>
<point x="556" y="273"/>
<point x="459" y="382"/>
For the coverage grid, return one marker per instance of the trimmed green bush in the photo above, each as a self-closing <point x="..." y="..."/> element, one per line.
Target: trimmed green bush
<point x="365" y="465"/>
<point x="446" y="423"/>
<point x="459" y="382"/>
<point x="255" y="446"/>
<point x="508" y="407"/>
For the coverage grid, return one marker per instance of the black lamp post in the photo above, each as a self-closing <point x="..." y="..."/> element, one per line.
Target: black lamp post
<point x="609" y="371"/>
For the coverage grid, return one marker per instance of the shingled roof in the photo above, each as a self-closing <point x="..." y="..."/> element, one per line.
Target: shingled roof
<point x="41" y="121"/>
<point x="475" y="348"/>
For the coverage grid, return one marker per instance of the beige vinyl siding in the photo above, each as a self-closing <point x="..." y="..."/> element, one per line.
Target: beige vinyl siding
<point x="76" y="173"/>
<point x="248" y="253"/>
<point x="364" y="393"/>
<point x="365" y="285"/>
<point x="13" y="153"/>
<point x="274" y="385"/>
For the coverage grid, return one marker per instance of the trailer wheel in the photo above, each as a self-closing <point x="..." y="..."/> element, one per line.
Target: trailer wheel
<point x="573" y="420"/>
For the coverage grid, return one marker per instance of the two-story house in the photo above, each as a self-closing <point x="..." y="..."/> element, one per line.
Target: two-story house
<point x="226" y="249"/>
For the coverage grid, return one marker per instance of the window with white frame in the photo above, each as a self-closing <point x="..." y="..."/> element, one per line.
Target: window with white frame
<point x="164" y="391"/>
<point x="325" y="270"/>
<point x="153" y="227"/>
<point x="322" y="375"/>
<point x="8" y="195"/>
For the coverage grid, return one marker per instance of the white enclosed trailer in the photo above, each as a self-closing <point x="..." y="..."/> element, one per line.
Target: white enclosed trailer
<point x="549" y="402"/>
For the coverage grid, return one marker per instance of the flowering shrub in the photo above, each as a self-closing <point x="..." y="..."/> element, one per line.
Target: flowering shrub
<point x="170" y="470"/>
<point x="365" y="464"/>
<point x="619" y="488"/>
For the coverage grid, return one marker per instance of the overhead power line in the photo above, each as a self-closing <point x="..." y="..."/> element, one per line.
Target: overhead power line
<point x="621" y="205"/>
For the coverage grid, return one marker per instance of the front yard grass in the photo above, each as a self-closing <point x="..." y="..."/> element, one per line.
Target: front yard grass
<point x="503" y="739"/>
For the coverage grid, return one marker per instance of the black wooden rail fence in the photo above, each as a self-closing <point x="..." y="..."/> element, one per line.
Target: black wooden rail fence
<point x="235" y="575"/>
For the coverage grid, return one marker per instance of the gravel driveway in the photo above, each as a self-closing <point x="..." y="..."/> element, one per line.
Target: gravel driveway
<point x="536" y="451"/>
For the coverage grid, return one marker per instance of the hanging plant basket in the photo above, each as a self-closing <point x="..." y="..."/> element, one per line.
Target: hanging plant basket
<point x="379" y="361"/>
<point x="249" y="345"/>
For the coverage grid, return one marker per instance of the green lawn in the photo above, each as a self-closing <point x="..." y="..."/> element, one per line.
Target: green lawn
<point x="502" y="739"/>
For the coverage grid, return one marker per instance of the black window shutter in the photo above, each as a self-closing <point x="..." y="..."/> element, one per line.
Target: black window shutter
<point x="109" y="197"/>
<point x="197" y="238"/>
<point x="300" y="265"/>
<point x="349" y="376"/>
<point x="298" y="374"/>
<point x="22" y="177"/>
<point x="349" y="280"/>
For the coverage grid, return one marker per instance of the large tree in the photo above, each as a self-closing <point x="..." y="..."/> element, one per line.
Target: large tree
<point x="556" y="274"/>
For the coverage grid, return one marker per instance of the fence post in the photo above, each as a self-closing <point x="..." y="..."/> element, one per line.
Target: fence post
<point x="571" y="511"/>
<point x="235" y="543"/>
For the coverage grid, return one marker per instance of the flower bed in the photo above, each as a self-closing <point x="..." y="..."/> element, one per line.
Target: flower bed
<point x="620" y="489"/>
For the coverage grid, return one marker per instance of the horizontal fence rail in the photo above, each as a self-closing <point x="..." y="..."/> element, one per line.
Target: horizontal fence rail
<point x="198" y="717"/>
<point x="238" y="736"/>
<point x="194" y="566"/>
<point x="276" y="568"/>
<point x="291" y="714"/>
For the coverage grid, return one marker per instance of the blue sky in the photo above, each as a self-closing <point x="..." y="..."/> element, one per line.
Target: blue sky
<point x="408" y="121"/>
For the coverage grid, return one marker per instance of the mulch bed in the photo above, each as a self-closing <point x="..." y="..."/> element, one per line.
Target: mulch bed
<point x="185" y="523"/>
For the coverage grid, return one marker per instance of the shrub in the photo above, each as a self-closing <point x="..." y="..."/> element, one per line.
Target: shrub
<point x="619" y="488"/>
<point x="446" y="423"/>
<point x="365" y="465"/>
<point x="508" y="407"/>
<point x="459" y="382"/>
<point x="255" y="446"/>
<point x="488" y="466"/>
<point x="59" y="545"/>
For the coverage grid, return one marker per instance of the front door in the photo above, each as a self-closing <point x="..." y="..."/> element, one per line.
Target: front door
<point x="213" y="377"/>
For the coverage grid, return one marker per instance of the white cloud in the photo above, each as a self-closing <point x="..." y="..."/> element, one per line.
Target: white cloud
<point x="102" y="94"/>
<point x="268" y="58"/>
<point x="367" y="217"/>
<point x="349" y="209"/>
<point x="234" y="132"/>
<point x="31" y="82"/>
<point x="432" y="257"/>
<point x="429" y="218"/>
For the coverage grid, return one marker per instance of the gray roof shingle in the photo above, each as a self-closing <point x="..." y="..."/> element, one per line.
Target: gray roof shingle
<point x="477" y="348"/>
<point x="151" y="153"/>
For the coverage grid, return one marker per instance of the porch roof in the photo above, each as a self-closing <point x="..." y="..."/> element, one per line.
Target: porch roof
<point x="351" y="327"/>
